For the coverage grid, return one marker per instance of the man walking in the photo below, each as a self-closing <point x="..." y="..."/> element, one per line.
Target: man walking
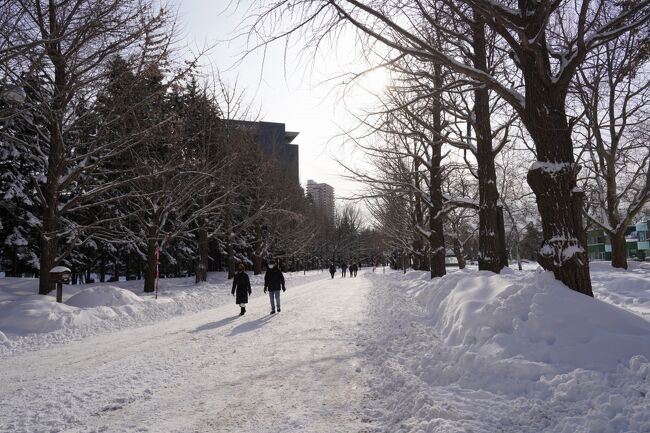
<point x="273" y="282"/>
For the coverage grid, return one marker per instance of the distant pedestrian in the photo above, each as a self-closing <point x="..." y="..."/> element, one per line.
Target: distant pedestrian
<point x="344" y="267"/>
<point x="241" y="285"/>
<point x="353" y="269"/>
<point x="273" y="282"/>
<point x="332" y="269"/>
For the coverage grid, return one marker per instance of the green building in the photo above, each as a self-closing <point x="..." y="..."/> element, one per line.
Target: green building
<point x="636" y="238"/>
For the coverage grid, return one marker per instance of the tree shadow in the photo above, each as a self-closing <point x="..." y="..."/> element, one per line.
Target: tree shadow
<point x="250" y="326"/>
<point x="215" y="325"/>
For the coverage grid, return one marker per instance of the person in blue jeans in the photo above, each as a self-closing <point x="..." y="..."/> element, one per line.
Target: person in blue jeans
<point x="274" y="282"/>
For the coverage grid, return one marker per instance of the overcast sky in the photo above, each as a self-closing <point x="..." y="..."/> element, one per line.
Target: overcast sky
<point x="290" y="92"/>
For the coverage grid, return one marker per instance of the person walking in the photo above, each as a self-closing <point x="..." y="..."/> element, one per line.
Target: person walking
<point x="353" y="269"/>
<point x="273" y="282"/>
<point x="344" y="267"/>
<point x="241" y="285"/>
<point x="332" y="269"/>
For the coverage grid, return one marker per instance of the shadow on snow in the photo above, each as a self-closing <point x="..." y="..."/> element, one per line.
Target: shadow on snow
<point x="215" y="325"/>
<point x="250" y="326"/>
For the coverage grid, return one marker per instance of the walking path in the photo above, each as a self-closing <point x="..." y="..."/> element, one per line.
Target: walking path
<point x="296" y="371"/>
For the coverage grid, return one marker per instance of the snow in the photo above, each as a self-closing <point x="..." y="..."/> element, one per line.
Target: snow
<point x="626" y="289"/>
<point x="511" y="353"/>
<point x="98" y="296"/>
<point x="532" y="321"/>
<point x="34" y="314"/>
<point x="60" y="269"/>
<point x="385" y="352"/>
<point x="550" y="167"/>
<point x="209" y="371"/>
<point x="31" y="322"/>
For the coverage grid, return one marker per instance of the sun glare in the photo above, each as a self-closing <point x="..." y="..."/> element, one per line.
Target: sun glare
<point x="375" y="81"/>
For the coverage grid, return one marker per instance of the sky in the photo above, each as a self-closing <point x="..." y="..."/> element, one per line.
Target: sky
<point x="298" y="92"/>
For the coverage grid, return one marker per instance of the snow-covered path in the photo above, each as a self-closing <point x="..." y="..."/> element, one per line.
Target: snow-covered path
<point x="207" y="372"/>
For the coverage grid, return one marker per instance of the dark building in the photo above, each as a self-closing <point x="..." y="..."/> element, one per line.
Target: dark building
<point x="275" y="141"/>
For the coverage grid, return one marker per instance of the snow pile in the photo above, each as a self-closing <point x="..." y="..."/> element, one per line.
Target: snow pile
<point x="97" y="296"/>
<point x="516" y="352"/>
<point x="627" y="289"/>
<point x="37" y="314"/>
<point x="533" y="318"/>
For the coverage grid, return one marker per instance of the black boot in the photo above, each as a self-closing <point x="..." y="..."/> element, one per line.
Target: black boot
<point x="243" y="310"/>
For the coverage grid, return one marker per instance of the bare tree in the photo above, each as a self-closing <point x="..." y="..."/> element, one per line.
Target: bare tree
<point x="547" y="41"/>
<point x="67" y="45"/>
<point x="516" y="198"/>
<point x="613" y="92"/>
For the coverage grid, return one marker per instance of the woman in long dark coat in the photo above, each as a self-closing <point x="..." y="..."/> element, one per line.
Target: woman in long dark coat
<point x="242" y="286"/>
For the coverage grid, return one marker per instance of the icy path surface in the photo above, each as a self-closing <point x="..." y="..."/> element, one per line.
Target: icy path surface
<point x="296" y="371"/>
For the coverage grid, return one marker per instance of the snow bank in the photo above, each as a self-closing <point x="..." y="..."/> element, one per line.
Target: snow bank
<point x="626" y="289"/>
<point x="97" y="296"/>
<point x="535" y="318"/>
<point x="516" y="352"/>
<point x="38" y="314"/>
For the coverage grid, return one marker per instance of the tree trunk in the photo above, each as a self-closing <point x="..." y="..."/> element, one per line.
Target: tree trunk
<point x="150" y="271"/>
<point x="553" y="181"/>
<point x="458" y="252"/>
<point x="438" y="251"/>
<point x="231" y="259"/>
<point x="553" y="177"/>
<point x="201" y="267"/>
<point x="488" y="257"/>
<point x="55" y="160"/>
<point x="49" y="237"/>
<point x="102" y="268"/>
<point x="617" y="239"/>
<point x="619" y="250"/>
<point x="257" y="253"/>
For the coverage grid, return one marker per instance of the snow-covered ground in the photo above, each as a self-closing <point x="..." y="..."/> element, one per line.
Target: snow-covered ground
<point x="31" y="322"/>
<point x="211" y="371"/>
<point x="517" y="352"/>
<point x="385" y="352"/>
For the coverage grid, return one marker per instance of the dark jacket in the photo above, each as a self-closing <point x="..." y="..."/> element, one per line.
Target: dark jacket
<point x="344" y="266"/>
<point x="332" y="269"/>
<point x="273" y="280"/>
<point x="242" y="285"/>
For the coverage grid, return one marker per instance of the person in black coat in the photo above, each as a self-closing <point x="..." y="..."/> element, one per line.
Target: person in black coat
<point x="344" y="267"/>
<point x="241" y="285"/>
<point x="353" y="269"/>
<point x="273" y="282"/>
<point x="332" y="269"/>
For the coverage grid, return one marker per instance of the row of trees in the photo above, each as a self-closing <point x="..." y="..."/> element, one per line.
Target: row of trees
<point x="566" y="81"/>
<point x="111" y="152"/>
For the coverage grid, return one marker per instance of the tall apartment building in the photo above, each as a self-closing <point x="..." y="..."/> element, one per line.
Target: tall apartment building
<point x="322" y="195"/>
